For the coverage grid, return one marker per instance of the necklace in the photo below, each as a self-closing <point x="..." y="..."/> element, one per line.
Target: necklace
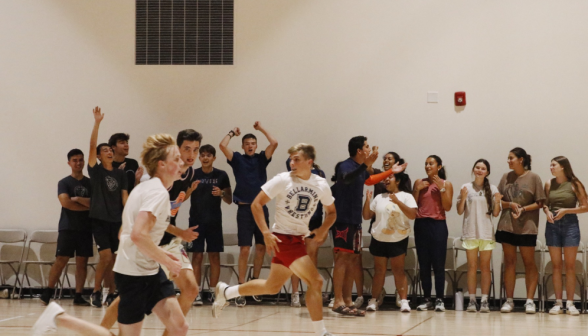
<point x="479" y="190"/>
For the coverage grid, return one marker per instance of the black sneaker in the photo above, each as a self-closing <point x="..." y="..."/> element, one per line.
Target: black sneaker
<point x="96" y="299"/>
<point x="428" y="305"/>
<point x="257" y="298"/>
<point x="110" y="298"/>
<point x="46" y="295"/>
<point x="79" y="301"/>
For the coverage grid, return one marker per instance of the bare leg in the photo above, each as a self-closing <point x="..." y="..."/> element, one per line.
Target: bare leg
<point x="472" y="256"/>
<point x="80" y="326"/>
<point x="170" y="313"/>
<point x="214" y="258"/>
<point x="312" y="248"/>
<point x="399" y="275"/>
<point x="197" y="258"/>
<point x="358" y="270"/>
<point x="295" y="282"/>
<point x="278" y="276"/>
<point x="258" y="261"/>
<point x="380" y="266"/>
<point x="243" y="259"/>
<point x="56" y="270"/>
<point x="111" y="314"/>
<point x="81" y="272"/>
<point x="570" y="258"/>
<point x="342" y="261"/>
<point x="305" y="270"/>
<point x="485" y="258"/>
<point x="348" y="281"/>
<point x="102" y="268"/>
<point x="188" y="292"/>
<point x="109" y="276"/>
<point x="510" y="260"/>
<point x="531" y="273"/>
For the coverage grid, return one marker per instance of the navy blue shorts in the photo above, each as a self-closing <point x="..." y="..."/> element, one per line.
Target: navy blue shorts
<point x="247" y="228"/>
<point x="564" y="232"/>
<point x="106" y="234"/>
<point x="78" y="243"/>
<point x="211" y="234"/>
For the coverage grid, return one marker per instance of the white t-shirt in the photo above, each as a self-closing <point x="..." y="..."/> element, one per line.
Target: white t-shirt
<point x="477" y="224"/>
<point x="391" y="223"/>
<point x="150" y="196"/>
<point x="296" y="201"/>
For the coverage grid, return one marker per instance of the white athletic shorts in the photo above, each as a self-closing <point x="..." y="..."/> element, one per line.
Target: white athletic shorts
<point x="177" y="249"/>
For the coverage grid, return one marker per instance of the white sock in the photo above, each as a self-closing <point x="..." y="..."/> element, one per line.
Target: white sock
<point x="558" y="303"/>
<point x="530" y="301"/>
<point x="319" y="327"/>
<point x="509" y="300"/>
<point x="484" y="297"/>
<point x="569" y="303"/>
<point x="232" y="292"/>
<point x="472" y="297"/>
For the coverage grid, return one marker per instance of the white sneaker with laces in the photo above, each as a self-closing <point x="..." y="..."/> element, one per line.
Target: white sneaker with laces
<point x="439" y="305"/>
<point x="220" y="300"/>
<point x="198" y="301"/>
<point x="472" y="307"/>
<point x="358" y="302"/>
<point x="372" y="305"/>
<point x="556" y="309"/>
<point x="572" y="311"/>
<point x="332" y="303"/>
<point x="404" y="307"/>
<point x="295" y="300"/>
<point x="46" y="322"/>
<point x="484" y="307"/>
<point x="530" y="308"/>
<point x="507" y="307"/>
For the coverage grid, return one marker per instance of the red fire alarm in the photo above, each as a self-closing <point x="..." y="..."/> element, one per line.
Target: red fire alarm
<point x="460" y="99"/>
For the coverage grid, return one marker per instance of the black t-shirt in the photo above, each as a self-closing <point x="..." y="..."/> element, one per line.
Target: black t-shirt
<point x="177" y="195"/>
<point x="130" y="170"/>
<point x="107" y="186"/>
<point x="204" y="207"/>
<point x="74" y="220"/>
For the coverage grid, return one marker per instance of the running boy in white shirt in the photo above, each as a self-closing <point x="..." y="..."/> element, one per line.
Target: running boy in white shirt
<point x="297" y="195"/>
<point x="142" y="284"/>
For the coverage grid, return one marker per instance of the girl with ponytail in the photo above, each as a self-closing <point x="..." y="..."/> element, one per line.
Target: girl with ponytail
<point x="479" y="200"/>
<point x="566" y="197"/>
<point x="523" y="196"/>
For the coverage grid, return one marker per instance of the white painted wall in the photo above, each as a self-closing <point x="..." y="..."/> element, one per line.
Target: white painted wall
<point x="313" y="71"/>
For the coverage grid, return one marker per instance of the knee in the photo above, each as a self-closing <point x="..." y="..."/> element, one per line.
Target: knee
<point x="244" y="250"/>
<point x="181" y="328"/>
<point x="530" y="265"/>
<point x="259" y="248"/>
<point x="316" y="282"/>
<point x="61" y="261"/>
<point x="473" y="267"/>
<point x="106" y="257"/>
<point x="556" y="267"/>
<point x="274" y="288"/>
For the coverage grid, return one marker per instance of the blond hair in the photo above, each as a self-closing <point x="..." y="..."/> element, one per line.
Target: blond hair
<point x="306" y="149"/>
<point x="156" y="149"/>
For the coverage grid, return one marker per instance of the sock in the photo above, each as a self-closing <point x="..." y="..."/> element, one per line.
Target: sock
<point x="559" y="303"/>
<point x="530" y="301"/>
<point x="509" y="300"/>
<point x="232" y="292"/>
<point x="472" y="297"/>
<point x="569" y="303"/>
<point x="319" y="327"/>
<point x="484" y="297"/>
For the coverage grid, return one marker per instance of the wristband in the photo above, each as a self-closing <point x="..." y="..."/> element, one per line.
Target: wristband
<point x="231" y="133"/>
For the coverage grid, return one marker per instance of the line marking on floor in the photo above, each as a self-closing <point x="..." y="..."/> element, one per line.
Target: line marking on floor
<point x="11" y="318"/>
<point x="404" y="332"/>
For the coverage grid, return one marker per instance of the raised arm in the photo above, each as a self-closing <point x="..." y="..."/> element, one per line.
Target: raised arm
<point x="98" y="116"/>
<point x="70" y="204"/>
<point x="273" y="143"/>
<point x="225" y="143"/>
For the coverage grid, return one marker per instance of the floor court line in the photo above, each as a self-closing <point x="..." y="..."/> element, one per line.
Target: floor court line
<point x="418" y="324"/>
<point x="12" y="318"/>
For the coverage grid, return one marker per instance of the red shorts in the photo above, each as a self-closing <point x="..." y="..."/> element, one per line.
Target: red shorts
<point x="291" y="249"/>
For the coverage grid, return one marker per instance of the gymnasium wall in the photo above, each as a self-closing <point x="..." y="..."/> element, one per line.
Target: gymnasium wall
<point x="310" y="71"/>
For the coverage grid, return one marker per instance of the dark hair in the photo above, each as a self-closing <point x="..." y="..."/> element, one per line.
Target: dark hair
<point x="521" y="153"/>
<point x="188" y="135"/>
<point x="116" y="137"/>
<point x="208" y="149"/>
<point x="99" y="147"/>
<point x="74" y="152"/>
<point x="569" y="172"/>
<point x="437" y="159"/>
<point x="395" y="155"/>
<point x="403" y="182"/>
<point x="355" y="143"/>
<point x="334" y="177"/>
<point x="487" y="190"/>
<point x="248" y="136"/>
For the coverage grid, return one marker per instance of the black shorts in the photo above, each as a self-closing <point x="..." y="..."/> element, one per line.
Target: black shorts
<point x="388" y="249"/>
<point x="72" y="243"/>
<point x="106" y="234"/>
<point x="315" y="224"/>
<point x="246" y="226"/>
<point x="346" y="237"/>
<point x="212" y="234"/>
<point x="513" y="239"/>
<point x="139" y="294"/>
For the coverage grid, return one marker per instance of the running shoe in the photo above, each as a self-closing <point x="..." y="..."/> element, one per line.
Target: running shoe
<point x="211" y="296"/>
<point x="220" y="301"/>
<point x="472" y="307"/>
<point x="398" y="303"/>
<point x="96" y="299"/>
<point x="428" y="305"/>
<point x="198" y="301"/>
<point x="372" y="305"/>
<point x="331" y="303"/>
<point x="507" y="307"/>
<point x="46" y="322"/>
<point x="571" y="310"/>
<point x="530" y="308"/>
<point x="556" y="310"/>
<point x="240" y="301"/>
<point x="439" y="305"/>
<point x="110" y="298"/>
<point x="358" y="302"/>
<point x="295" y="302"/>
<point x="484" y="307"/>
<point x="80" y="301"/>
<point x="257" y="298"/>
<point x="46" y="296"/>
<point x="404" y="306"/>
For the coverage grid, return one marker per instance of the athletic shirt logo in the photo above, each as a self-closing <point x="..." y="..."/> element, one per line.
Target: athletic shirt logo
<point x="111" y="183"/>
<point x="81" y="191"/>
<point x="301" y="202"/>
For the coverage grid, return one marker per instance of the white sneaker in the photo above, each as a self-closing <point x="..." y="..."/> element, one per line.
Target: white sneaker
<point x="332" y="303"/>
<point x="358" y="302"/>
<point x="198" y="301"/>
<point x="530" y="308"/>
<point x="572" y="311"/>
<point x="404" y="307"/>
<point x="484" y="307"/>
<point x="295" y="300"/>
<point x="46" y="322"/>
<point x="220" y="301"/>
<point x="372" y="305"/>
<point x="439" y="305"/>
<point x="472" y="307"/>
<point x="556" y="309"/>
<point x="507" y="307"/>
<point x="398" y="304"/>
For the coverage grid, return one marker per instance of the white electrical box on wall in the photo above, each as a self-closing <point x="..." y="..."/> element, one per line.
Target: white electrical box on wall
<point x="432" y="97"/>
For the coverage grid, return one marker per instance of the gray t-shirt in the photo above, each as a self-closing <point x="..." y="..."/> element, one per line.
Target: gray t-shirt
<point x="524" y="190"/>
<point x="477" y="223"/>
